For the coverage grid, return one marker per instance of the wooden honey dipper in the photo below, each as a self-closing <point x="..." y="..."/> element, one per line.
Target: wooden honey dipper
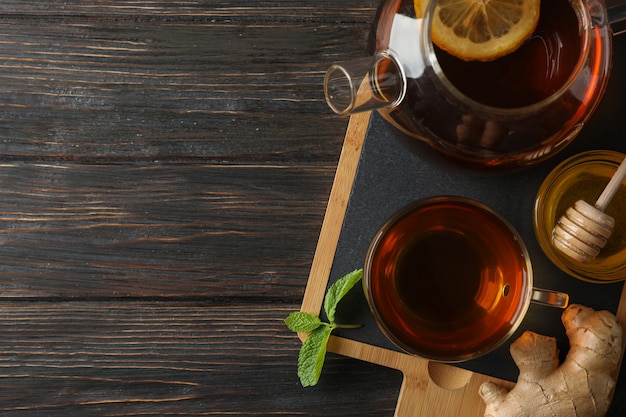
<point x="584" y="229"/>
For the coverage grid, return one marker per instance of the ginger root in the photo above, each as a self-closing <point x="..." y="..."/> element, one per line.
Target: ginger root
<point x="582" y="386"/>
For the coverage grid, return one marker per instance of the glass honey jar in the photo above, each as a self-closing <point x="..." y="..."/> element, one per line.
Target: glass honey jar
<point x="583" y="177"/>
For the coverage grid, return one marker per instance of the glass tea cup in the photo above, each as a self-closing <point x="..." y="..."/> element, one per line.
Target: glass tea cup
<point x="449" y="279"/>
<point x="517" y="110"/>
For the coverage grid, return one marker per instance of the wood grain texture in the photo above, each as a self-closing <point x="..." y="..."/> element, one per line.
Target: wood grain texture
<point x="167" y="359"/>
<point x="335" y="214"/>
<point x="155" y="81"/>
<point x="118" y="84"/>
<point x="164" y="171"/>
<point x="154" y="230"/>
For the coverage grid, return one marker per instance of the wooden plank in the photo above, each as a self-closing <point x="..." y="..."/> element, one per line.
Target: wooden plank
<point x="175" y="359"/>
<point x="81" y="90"/>
<point x="335" y="213"/>
<point x="150" y="81"/>
<point x="347" y="11"/>
<point x="166" y="231"/>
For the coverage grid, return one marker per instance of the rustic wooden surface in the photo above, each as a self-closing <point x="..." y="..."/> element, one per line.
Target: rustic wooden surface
<point x="164" y="171"/>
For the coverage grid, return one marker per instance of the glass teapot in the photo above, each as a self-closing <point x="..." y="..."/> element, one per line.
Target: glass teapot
<point x="517" y="110"/>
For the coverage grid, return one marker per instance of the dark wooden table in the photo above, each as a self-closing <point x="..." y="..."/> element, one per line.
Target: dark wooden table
<point x="165" y="168"/>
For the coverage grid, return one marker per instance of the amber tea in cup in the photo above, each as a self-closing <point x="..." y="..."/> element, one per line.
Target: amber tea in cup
<point x="448" y="279"/>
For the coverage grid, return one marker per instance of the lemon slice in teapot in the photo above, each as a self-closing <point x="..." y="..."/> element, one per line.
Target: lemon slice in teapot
<point x="481" y="30"/>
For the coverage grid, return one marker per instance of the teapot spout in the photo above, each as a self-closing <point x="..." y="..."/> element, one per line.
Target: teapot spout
<point x="365" y="84"/>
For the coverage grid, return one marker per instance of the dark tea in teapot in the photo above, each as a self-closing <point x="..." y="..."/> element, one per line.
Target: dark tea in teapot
<point x="535" y="71"/>
<point x="517" y="110"/>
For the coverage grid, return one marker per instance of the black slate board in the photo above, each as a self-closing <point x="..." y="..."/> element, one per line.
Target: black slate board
<point x="395" y="170"/>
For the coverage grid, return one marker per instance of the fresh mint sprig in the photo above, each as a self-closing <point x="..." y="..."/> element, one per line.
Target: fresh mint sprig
<point x="313" y="350"/>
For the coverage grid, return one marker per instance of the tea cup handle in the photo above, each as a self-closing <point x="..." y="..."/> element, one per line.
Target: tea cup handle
<point x="549" y="298"/>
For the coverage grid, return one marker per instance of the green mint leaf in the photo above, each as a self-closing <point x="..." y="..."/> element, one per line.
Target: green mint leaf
<point x="312" y="355"/>
<point x="337" y="291"/>
<point x="302" y="322"/>
<point x="313" y="350"/>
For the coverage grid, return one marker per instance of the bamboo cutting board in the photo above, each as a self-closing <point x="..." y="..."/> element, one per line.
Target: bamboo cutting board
<point x="428" y="389"/>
